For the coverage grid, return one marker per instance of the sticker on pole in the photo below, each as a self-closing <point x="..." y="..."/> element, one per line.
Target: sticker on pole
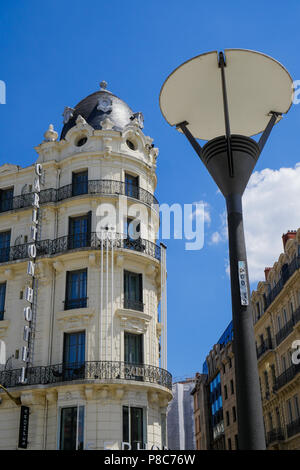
<point x="243" y="283"/>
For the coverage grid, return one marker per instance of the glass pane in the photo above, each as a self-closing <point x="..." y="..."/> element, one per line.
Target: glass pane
<point x="68" y="428"/>
<point x="2" y="299"/>
<point x="80" y="437"/>
<point x="80" y="183"/>
<point x="125" y="424"/>
<point x="136" y="415"/>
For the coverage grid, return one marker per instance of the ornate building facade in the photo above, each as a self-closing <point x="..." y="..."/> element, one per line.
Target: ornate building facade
<point x="215" y="412"/>
<point x="276" y="316"/>
<point x="94" y="373"/>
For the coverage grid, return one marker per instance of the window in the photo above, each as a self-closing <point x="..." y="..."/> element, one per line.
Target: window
<point x="4" y="246"/>
<point x="267" y="384"/>
<point x="278" y="323"/>
<point x="289" y="411"/>
<point x="131" y="186"/>
<point x="163" y="424"/>
<point x="133" y="427"/>
<point x="273" y="374"/>
<point x="227" y="418"/>
<point x="225" y="392"/>
<point x="72" y="428"/>
<point x="81" y="141"/>
<point x="229" y="444"/>
<point x="230" y="363"/>
<point x="236" y="442"/>
<point x="232" y="387"/>
<point x="296" y="403"/>
<point x="258" y="310"/>
<point x="130" y="144"/>
<point x="2" y="299"/>
<point x="76" y="289"/>
<point x="285" y="316"/>
<point x="234" y="414"/>
<point x="80" y="183"/>
<point x="132" y="228"/>
<point x="74" y="355"/>
<point x="79" y="231"/>
<point x="133" y="344"/>
<point x="133" y="291"/>
<point x="278" y="418"/>
<point x="6" y="199"/>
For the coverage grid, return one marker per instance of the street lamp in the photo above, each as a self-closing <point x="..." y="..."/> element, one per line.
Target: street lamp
<point x="224" y="99"/>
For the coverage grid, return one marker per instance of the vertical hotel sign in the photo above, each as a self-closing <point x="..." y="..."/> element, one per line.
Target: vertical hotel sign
<point x="30" y="293"/>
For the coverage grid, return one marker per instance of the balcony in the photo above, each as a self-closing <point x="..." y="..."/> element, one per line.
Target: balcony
<point x="76" y="303"/>
<point x="286" y="330"/>
<point x="286" y="376"/>
<point x="88" y="241"/>
<point x="274" y="436"/>
<point x="88" y="371"/>
<point x="92" y="187"/>
<point x="286" y="274"/>
<point x="267" y="345"/>
<point x="293" y="428"/>
<point x="133" y="304"/>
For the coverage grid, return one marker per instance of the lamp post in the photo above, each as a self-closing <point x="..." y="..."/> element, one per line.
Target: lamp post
<point x="224" y="99"/>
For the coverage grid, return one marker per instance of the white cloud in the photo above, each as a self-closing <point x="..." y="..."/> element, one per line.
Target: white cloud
<point x="216" y="238"/>
<point x="271" y="207"/>
<point x="200" y="207"/>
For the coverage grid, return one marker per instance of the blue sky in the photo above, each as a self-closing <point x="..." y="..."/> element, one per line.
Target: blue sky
<point x="55" y="53"/>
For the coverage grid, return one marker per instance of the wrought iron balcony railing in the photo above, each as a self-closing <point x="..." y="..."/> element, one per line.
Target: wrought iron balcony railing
<point x="95" y="187"/>
<point x="88" y="371"/>
<point x="76" y="303"/>
<point x="286" y="330"/>
<point x="293" y="428"/>
<point x="267" y="345"/>
<point x="80" y="241"/>
<point x="286" y="376"/>
<point x="289" y="271"/>
<point x="275" y="435"/>
<point x="134" y="304"/>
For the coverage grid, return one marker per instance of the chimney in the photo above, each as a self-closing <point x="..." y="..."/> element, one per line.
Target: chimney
<point x="267" y="270"/>
<point x="290" y="234"/>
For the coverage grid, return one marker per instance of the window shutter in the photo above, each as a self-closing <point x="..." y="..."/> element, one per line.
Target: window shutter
<point x="141" y="287"/>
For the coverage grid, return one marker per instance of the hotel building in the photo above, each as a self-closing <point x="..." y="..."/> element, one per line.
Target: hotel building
<point x="94" y="373"/>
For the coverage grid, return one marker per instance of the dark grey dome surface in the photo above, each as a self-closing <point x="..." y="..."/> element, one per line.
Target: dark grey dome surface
<point x="119" y="112"/>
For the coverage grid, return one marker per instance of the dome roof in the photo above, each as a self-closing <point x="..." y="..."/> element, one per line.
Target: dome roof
<point x="95" y="108"/>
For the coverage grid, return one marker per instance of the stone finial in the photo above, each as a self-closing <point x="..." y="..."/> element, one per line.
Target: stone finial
<point x="50" y="135"/>
<point x="103" y="85"/>
<point x="68" y="114"/>
<point x="80" y="119"/>
<point x="138" y="119"/>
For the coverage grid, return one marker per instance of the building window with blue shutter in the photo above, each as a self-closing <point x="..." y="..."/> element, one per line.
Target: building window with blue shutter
<point x="133" y="291"/>
<point x="76" y="289"/>
<point x="79" y="231"/>
<point x="74" y="355"/>
<point x="6" y="199"/>
<point x="80" y="183"/>
<point x="2" y="299"/>
<point x="4" y="246"/>
<point x="131" y="186"/>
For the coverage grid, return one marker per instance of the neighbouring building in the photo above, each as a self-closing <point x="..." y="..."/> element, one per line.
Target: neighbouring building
<point x="94" y="373"/>
<point x="181" y="430"/>
<point x="276" y="315"/>
<point x="215" y="411"/>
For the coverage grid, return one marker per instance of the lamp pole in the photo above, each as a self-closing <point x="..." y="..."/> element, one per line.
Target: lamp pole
<point x="230" y="159"/>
